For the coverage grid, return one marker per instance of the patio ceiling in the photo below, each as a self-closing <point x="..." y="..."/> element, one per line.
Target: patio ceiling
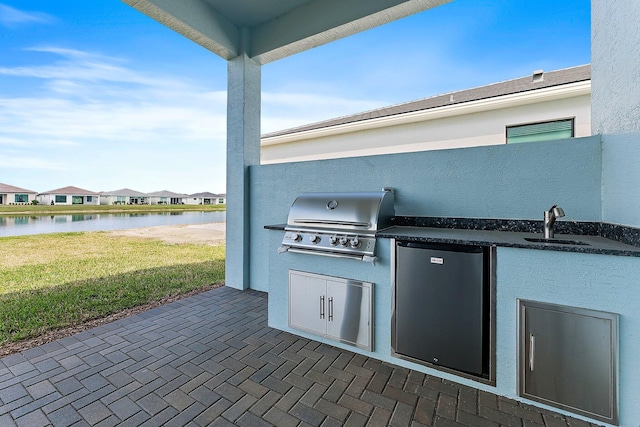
<point x="268" y="30"/>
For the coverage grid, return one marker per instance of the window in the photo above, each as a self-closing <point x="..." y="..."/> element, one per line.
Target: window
<point x="221" y="201"/>
<point x="121" y="200"/>
<point x="545" y="131"/>
<point x="89" y="199"/>
<point x="61" y="199"/>
<point x="21" y="198"/>
<point x="77" y="200"/>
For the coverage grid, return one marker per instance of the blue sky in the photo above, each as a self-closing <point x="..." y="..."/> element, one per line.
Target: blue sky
<point x="96" y="95"/>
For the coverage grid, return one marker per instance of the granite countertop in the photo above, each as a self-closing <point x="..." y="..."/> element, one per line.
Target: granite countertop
<point x="275" y="227"/>
<point x="600" y="238"/>
<point x="594" y="244"/>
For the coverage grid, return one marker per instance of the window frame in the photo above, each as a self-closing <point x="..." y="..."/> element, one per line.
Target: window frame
<point x="572" y="120"/>
<point x="18" y="198"/>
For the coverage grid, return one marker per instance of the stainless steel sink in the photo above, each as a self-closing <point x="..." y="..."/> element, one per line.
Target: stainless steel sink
<point x="556" y="241"/>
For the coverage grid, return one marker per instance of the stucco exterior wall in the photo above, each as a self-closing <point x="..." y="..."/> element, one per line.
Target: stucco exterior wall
<point x="108" y="200"/>
<point x="466" y="130"/>
<point x="506" y="181"/>
<point x="47" y="198"/>
<point x="616" y="105"/>
<point x="9" y="198"/>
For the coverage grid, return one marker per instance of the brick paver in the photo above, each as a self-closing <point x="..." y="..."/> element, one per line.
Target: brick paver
<point x="211" y="359"/>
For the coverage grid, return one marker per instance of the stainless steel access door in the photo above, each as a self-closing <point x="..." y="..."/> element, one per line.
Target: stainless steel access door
<point x="568" y="358"/>
<point x="349" y="312"/>
<point x="307" y="303"/>
<point x="332" y="307"/>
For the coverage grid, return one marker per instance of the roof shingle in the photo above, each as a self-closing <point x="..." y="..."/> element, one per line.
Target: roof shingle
<point x="6" y="188"/>
<point x="519" y="85"/>
<point x="72" y="191"/>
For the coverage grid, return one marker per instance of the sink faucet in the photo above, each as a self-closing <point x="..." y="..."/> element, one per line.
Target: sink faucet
<point x="550" y="217"/>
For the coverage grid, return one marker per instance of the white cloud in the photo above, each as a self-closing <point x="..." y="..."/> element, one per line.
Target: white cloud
<point x="10" y="17"/>
<point x="89" y="118"/>
<point x="12" y="141"/>
<point x="78" y="66"/>
<point x="11" y="162"/>
<point x="287" y="110"/>
<point x="89" y="98"/>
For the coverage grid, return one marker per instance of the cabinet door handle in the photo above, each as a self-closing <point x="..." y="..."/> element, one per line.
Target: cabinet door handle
<point x="532" y="351"/>
<point x="322" y="306"/>
<point x="330" y="309"/>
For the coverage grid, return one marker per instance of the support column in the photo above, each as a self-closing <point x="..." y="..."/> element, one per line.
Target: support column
<point x="615" y="106"/>
<point x="243" y="150"/>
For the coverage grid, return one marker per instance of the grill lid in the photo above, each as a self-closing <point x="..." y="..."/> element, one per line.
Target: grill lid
<point x="359" y="212"/>
<point x="338" y="224"/>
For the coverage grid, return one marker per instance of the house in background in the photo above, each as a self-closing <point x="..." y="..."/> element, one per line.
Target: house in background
<point x="542" y="106"/>
<point x="125" y="196"/>
<point x="205" y="198"/>
<point x="15" y="195"/>
<point x="165" y="197"/>
<point x="69" y="196"/>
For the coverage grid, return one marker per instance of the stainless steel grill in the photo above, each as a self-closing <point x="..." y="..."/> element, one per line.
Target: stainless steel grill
<point x="338" y="224"/>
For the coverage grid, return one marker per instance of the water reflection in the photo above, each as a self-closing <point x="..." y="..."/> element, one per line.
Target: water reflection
<point x="16" y="225"/>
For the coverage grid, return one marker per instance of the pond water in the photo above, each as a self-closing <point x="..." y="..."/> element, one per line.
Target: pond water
<point x="18" y="225"/>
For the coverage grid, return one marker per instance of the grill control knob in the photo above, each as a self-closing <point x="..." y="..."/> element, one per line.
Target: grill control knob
<point x="315" y="239"/>
<point x="333" y="240"/>
<point x="297" y="237"/>
<point x="344" y="241"/>
<point x="354" y="243"/>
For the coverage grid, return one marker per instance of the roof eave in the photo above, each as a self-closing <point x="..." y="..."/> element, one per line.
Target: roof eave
<point x="309" y="25"/>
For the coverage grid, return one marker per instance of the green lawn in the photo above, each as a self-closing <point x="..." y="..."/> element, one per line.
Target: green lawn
<point x="51" y="281"/>
<point x="61" y="209"/>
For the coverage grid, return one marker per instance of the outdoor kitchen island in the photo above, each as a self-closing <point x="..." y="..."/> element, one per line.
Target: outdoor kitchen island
<point x="525" y="272"/>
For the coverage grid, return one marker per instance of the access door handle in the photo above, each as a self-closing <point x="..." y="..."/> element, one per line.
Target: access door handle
<point x="322" y="306"/>
<point x="532" y="351"/>
<point x="330" y="309"/>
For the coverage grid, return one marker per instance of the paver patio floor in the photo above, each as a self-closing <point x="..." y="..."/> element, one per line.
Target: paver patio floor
<point x="212" y="360"/>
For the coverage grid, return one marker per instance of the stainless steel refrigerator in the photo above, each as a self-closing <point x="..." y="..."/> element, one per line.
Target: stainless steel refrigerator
<point x="441" y="306"/>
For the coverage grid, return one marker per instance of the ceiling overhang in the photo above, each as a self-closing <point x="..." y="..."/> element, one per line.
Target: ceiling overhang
<point x="268" y="30"/>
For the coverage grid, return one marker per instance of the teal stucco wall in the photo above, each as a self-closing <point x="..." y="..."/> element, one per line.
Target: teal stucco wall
<point x="507" y="181"/>
<point x="615" y="106"/>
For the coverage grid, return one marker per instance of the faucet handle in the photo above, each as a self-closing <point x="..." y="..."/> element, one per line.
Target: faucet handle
<point x="558" y="212"/>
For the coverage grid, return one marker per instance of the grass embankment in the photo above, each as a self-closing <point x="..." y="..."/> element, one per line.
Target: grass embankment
<point x="62" y="209"/>
<point x="51" y="281"/>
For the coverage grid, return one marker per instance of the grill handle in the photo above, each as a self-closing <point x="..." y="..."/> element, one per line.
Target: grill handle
<point x="330" y="222"/>
<point x="365" y="258"/>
